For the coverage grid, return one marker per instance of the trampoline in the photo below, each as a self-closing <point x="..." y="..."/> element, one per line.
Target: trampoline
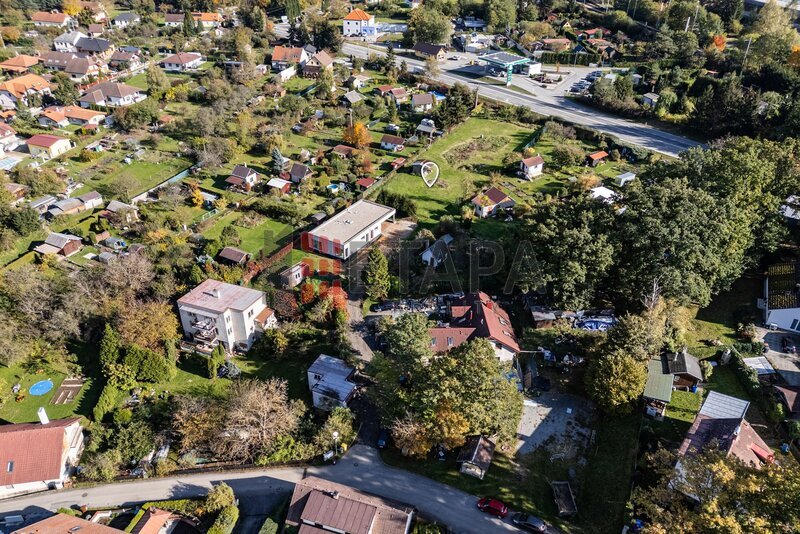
<point x="41" y="387"/>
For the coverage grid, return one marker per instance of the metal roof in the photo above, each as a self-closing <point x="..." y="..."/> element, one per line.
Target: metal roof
<point x="351" y="222"/>
<point x="720" y="406"/>
<point x="504" y="59"/>
<point x="659" y="385"/>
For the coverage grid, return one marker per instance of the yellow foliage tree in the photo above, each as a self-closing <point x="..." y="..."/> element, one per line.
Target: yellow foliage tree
<point x="71" y="7"/>
<point x="357" y="135"/>
<point x="147" y="324"/>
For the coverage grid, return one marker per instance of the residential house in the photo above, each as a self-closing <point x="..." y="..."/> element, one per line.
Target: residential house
<point x="111" y="94"/>
<point x="531" y="167"/>
<point x="721" y="420"/>
<point x="217" y="312"/>
<point x="279" y="184"/>
<point x="207" y="20"/>
<point x="330" y="382"/>
<point x="294" y="275"/>
<point x="71" y="206"/>
<point x="51" y="19"/>
<point x="125" y="213"/>
<point x="476" y="456"/>
<point x="399" y="95"/>
<point x="121" y="60"/>
<point x="592" y="33"/>
<point x="358" y="81"/>
<point x="358" y="23"/>
<point x="8" y="136"/>
<point x="97" y="9"/>
<point x="435" y="254"/>
<point x="100" y="48"/>
<point x="81" y="69"/>
<point x="790" y="397"/>
<point x="393" y="143"/>
<point x="298" y="173"/>
<point x="243" y="177"/>
<point x="59" y="117"/>
<point x="123" y="20"/>
<point x="350" y="230"/>
<point x="557" y="44"/>
<point x="19" y="64"/>
<point x="492" y="201"/>
<point x="42" y="204"/>
<point x="64" y="524"/>
<point x="596" y="158"/>
<point x="316" y="64"/>
<point x="475" y="43"/>
<point x="422" y="102"/>
<point x="38" y="456"/>
<point x="96" y="30"/>
<point x="20" y="90"/>
<point x="650" y="99"/>
<point x="426" y="129"/>
<point x="351" y="98"/>
<point x="182" y="61"/>
<point x="68" y="42"/>
<point x="383" y="90"/>
<point x="781" y="302"/>
<point x="318" y="506"/>
<point x="474" y="24"/>
<point x="476" y="316"/>
<point x="49" y="146"/>
<point x="288" y="56"/>
<point x="234" y="256"/>
<point x="60" y="244"/>
<point x="426" y="50"/>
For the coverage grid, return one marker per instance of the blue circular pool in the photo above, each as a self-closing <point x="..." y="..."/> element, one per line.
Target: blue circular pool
<point x="41" y="387"/>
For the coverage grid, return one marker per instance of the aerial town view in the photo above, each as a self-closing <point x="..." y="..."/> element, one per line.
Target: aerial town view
<point x="399" y="266"/>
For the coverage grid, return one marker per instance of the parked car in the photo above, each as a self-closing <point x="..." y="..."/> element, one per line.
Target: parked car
<point x="529" y="522"/>
<point x="493" y="507"/>
<point x="788" y="345"/>
<point x="391" y="128"/>
<point x="383" y="439"/>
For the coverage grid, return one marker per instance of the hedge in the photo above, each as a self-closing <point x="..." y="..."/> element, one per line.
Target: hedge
<point x="273" y="523"/>
<point x="188" y="507"/>
<point x="225" y="521"/>
<point x="109" y="398"/>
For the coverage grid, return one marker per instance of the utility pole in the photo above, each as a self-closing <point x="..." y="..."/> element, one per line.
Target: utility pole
<point x="746" y="51"/>
<point x="686" y="29"/>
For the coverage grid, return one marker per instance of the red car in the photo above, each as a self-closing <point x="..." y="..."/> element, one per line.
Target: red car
<point x="493" y="507"/>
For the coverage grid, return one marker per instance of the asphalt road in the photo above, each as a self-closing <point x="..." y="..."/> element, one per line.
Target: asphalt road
<point x="549" y="102"/>
<point x="258" y="490"/>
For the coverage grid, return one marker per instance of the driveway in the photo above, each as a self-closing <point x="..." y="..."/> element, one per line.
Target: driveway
<point x="787" y="365"/>
<point x="258" y="489"/>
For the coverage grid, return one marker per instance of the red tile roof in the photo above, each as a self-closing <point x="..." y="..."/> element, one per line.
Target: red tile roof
<point x="533" y="161"/>
<point x="475" y="316"/>
<point x="44" y="16"/>
<point x="45" y="140"/>
<point x="357" y="14"/>
<point x="491" y="197"/>
<point x="365" y="182"/>
<point x="65" y="524"/>
<point x="598" y="155"/>
<point x="37" y="451"/>
<point x="287" y="53"/>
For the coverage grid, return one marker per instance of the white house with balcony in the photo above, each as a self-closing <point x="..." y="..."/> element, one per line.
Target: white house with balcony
<point x="215" y="312"/>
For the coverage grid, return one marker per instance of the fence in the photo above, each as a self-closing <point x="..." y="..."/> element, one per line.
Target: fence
<point x="255" y="267"/>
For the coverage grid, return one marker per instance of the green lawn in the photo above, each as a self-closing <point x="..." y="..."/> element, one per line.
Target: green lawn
<point x="266" y="236"/>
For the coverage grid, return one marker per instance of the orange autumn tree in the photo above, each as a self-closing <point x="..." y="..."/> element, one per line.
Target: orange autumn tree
<point x="357" y="135"/>
<point x="307" y="293"/>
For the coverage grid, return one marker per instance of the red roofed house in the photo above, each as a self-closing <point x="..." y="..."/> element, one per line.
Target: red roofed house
<point x="596" y="158"/>
<point x="53" y="20"/>
<point x="721" y="421"/>
<point x="472" y="317"/>
<point x="285" y="56"/>
<point x="316" y="64"/>
<point x="50" y="145"/>
<point x="357" y="23"/>
<point x="19" y="64"/>
<point x="20" y="89"/>
<point x="491" y="201"/>
<point x="65" y="524"/>
<point x="531" y="167"/>
<point x="365" y="183"/>
<point x="38" y="456"/>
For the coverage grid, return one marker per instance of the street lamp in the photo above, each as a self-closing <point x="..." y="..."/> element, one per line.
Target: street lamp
<point x="335" y="446"/>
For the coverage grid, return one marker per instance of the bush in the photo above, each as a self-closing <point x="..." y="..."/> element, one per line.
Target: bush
<point x="565" y="155"/>
<point x="148" y="365"/>
<point x="405" y="206"/>
<point x="269" y="527"/>
<point x="218" y="498"/>
<point x="747" y="376"/>
<point x="225" y="521"/>
<point x="108" y="400"/>
<point x="794" y="429"/>
<point x="707" y="369"/>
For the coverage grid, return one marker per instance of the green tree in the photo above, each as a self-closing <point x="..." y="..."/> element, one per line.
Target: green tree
<point x="428" y="25"/>
<point x="502" y="14"/>
<point x="277" y="160"/>
<point x="615" y="380"/>
<point x="219" y="497"/>
<point x="109" y="347"/>
<point x="66" y="92"/>
<point x="409" y="342"/>
<point x="376" y="275"/>
<point x="134" y="440"/>
<point x="215" y="360"/>
<point x="157" y="81"/>
<point x="189" y="26"/>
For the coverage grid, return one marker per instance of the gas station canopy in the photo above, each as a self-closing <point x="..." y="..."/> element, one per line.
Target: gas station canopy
<point x="505" y="61"/>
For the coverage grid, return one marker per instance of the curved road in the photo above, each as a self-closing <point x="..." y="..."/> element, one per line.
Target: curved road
<point x="361" y="469"/>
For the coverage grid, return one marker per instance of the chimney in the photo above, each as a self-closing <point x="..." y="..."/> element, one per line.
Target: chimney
<point x="215" y="292"/>
<point x="42" y="415"/>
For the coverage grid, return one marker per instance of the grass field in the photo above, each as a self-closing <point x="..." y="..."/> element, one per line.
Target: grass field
<point x="265" y="236"/>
